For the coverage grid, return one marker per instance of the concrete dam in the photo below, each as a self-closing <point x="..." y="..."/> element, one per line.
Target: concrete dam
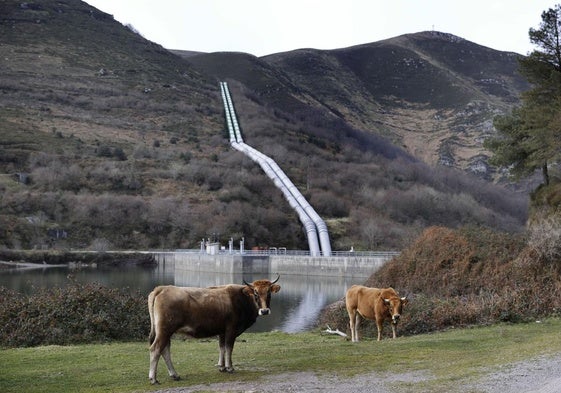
<point x="347" y="264"/>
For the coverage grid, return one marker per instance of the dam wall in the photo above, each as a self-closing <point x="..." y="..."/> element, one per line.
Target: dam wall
<point x="349" y="265"/>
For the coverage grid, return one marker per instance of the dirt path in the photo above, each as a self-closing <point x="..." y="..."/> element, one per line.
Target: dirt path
<point x="540" y="375"/>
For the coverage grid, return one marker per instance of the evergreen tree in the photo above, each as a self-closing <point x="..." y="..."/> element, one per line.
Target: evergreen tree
<point x="529" y="138"/>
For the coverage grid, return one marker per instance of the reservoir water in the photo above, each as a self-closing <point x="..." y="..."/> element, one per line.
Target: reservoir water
<point x="295" y="308"/>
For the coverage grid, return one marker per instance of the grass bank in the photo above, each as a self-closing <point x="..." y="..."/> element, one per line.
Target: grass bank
<point x="57" y="257"/>
<point x="446" y="358"/>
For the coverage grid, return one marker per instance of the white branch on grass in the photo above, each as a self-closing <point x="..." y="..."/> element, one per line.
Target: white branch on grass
<point x="336" y="331"/>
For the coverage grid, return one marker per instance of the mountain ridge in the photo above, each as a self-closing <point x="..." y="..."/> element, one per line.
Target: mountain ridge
<point x="444" y="117"/>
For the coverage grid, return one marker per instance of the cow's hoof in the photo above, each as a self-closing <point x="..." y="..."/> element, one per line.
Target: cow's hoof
<point x="229" y="370"/>
<point x="176" y="377"/>
<point x="154" y="381"/>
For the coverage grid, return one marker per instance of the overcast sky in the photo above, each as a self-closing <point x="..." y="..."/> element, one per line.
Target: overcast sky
<point x="262" y="27"/>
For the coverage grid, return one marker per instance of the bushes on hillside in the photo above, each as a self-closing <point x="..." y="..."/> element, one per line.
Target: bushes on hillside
<point x="445" y="262"/>
<point x="545" y="235"/>
<point x="76" y="314"/>
<point x="457" y="278"/>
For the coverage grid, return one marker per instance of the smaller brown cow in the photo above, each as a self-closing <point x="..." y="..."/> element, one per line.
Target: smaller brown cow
<point x="373" y="303"/>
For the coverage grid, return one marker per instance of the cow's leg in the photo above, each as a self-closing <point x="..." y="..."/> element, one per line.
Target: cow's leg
<point x="354" y="322"/>
<point x="357" y="325"/>
<point x="352" y="325"/>
<point x="154" y="357"/>
<point x="159" y="348"/>
<point x="380" y="326"/>
<point x="229" y="340"/>
<point x="222" y="345"/>
<point x="166" y="354"/>
<point x="229" y="349"/>
<point x="394" y="329"/>
<point x="155" y="352"/>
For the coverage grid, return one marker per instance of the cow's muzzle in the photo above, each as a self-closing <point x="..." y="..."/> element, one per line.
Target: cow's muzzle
<point x="395" y="318"/>
<point x="264" y="311"/>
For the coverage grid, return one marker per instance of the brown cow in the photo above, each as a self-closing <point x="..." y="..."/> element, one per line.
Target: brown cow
<point x="224" y="311"/>
<point x="373" y="303"/>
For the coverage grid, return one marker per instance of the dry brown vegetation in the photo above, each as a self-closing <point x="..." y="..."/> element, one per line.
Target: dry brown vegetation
<point x="468" y="276"/>
<point x="77" y="314"/>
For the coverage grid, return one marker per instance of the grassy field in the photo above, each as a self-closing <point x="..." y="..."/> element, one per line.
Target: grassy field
<point x="447" y="358"/>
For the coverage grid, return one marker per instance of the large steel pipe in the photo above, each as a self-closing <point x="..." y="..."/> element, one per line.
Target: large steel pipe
<point x="313" y="224"/>
<point x="321" y="227"/>
<point x="307" y="222"/>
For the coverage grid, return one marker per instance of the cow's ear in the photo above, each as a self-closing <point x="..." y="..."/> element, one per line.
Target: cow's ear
<point x="275" y="288"/>
<point x="404" y="300"/>
<point x="247" y="290"/>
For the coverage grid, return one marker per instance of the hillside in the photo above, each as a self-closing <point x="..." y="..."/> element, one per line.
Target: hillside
<point x="111" y="141"/>
<point x="433" y="93"/>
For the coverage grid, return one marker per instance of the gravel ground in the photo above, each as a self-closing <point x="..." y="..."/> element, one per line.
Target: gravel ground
<point x="540" y="375"/>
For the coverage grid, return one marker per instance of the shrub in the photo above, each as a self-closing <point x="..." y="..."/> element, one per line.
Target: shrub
<point x="186" y="157"/>
<point x="329" y="205"/>
<point x="458" y="278"/>
<point x="76" y="314"/>
<point x="119" y="154"/>
<point x="104" y="151"/>
<point x="545" y="236"/>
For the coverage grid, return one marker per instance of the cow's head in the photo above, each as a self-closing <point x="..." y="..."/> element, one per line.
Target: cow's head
<point x="395" y="306"/>
<point x="261" y="291"/>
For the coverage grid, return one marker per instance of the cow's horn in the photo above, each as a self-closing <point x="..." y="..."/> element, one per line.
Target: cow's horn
<point x="278" y="276"/>
<point x="246" y="283"/>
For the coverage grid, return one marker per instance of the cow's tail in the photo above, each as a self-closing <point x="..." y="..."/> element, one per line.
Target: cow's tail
<point x="151" y="300"/>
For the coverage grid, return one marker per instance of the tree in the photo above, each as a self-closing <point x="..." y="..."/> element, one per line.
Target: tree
<point x="529" y="137"/>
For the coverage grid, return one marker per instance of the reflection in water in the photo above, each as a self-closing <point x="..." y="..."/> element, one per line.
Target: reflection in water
<point x="295" y="308"/>
<point x="134" y="277"/>
<point x="305" y="314"/>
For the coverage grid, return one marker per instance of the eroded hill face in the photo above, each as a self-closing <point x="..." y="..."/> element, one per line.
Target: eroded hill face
<point x="433" y="93"/>
<point x="122" y="144"/>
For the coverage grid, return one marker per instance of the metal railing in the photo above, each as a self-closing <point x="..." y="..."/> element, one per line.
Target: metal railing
<point x="284" y="251"/>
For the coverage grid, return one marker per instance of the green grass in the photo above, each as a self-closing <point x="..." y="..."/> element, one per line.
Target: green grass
<point x="446" y="359"/>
